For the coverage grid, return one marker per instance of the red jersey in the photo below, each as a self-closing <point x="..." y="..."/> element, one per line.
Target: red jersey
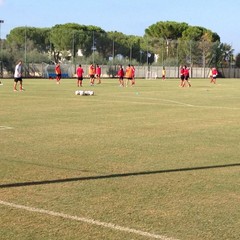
<point x="120" y="73"/>
<point x="182" y="71"/>
<point x="133" y="71"/>
<point x="80" y="72"/>
<point x="186" y="72"/>
<point x="214" y="71"/>
<point x="58" y="69"/>
<point x="98" y="71"/>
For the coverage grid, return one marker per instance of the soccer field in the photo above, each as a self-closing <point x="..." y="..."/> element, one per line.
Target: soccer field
<point x="153" y="161"/>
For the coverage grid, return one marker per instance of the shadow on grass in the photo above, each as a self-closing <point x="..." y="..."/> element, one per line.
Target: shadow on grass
<point x="116" y="175"/>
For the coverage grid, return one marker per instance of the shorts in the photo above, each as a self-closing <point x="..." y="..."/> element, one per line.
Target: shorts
<point x="80" y="78"/>
<point x="19" y="79"/>
<point x="182" y="77"/>
<point x="92" y="76"/>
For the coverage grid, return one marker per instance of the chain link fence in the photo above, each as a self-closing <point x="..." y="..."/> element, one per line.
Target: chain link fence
<point x="43" y="70"/>
<point x="148" y="57"/>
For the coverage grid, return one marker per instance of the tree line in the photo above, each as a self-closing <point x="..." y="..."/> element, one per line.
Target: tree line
<point x="166" y="43"/>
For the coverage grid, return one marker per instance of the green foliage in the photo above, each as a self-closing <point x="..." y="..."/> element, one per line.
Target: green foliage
<point x="193" y="43"/>
<point x="193" y="33"/>
<point x="166" y="30"/>
<point x="173" y="43"/>
<point x="38" y="36"/>
<point x="72" y="36"/>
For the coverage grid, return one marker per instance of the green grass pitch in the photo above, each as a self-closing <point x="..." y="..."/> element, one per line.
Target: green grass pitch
<point x="154" y="157"/>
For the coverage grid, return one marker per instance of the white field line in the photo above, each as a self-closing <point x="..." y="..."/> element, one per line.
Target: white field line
<point x="190" y="105"/>
<point x="183" y="104"/>
<point x="5" y="128"/>
<point x="167" y="101"/>
<point x="86" y="220"/>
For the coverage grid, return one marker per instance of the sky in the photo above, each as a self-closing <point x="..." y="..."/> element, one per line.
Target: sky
<point x="130" y="17"/>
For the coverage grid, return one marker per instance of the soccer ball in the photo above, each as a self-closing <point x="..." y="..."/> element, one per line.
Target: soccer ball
<point x="90" y="93"/>
<point x="79" y="92"/>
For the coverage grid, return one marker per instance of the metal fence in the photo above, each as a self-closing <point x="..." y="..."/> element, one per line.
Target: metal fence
<point x="44" y="70"/>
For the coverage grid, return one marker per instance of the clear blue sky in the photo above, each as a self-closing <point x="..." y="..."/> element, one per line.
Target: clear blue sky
<point x="130" y="17"/>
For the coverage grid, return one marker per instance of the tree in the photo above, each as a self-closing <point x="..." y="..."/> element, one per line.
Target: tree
<point x="26" y="43"/>
<point x="179" y="40"/>
<point x="238" y="60"/>
<point x="71" y="37"/>
<point x="163" y="37"/>
<point x="166" y="30"/>
<point x="170" y="41"/>
<point x="22" y="35"/>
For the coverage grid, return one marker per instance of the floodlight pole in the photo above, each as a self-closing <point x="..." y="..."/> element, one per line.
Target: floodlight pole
<point x="25" y="46"/>
<point x="73" y="49"/>
<point x="1" y="64"/>
<point x="113" y="50"/>
<point x="93" y="46"/>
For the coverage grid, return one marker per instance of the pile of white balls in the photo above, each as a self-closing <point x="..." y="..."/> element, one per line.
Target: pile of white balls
<point x="84" y="93"/>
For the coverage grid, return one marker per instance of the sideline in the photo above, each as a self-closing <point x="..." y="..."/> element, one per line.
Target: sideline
<point x="86" y="220"/>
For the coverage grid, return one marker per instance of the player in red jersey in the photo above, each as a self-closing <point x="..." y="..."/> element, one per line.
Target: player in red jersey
<point x="214" y="75"/>
<point x="58" y="73"/>
<point x="98" y="73"/>
<point x="79" y="75"/>
<point x="181" y="76"/>
<point x="186" y="77"/>
<point x="120" y="75"/>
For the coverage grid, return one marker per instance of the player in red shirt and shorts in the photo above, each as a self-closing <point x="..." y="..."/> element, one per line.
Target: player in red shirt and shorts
<point x="214" y="75"/>
<point x="120" y="75"/>
<point x="186" y="77"/>
<point x="58" y="73"/>
<point x="79" y="75"/>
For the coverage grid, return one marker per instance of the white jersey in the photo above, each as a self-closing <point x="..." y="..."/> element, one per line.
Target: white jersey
<point x="18" y="71"/>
